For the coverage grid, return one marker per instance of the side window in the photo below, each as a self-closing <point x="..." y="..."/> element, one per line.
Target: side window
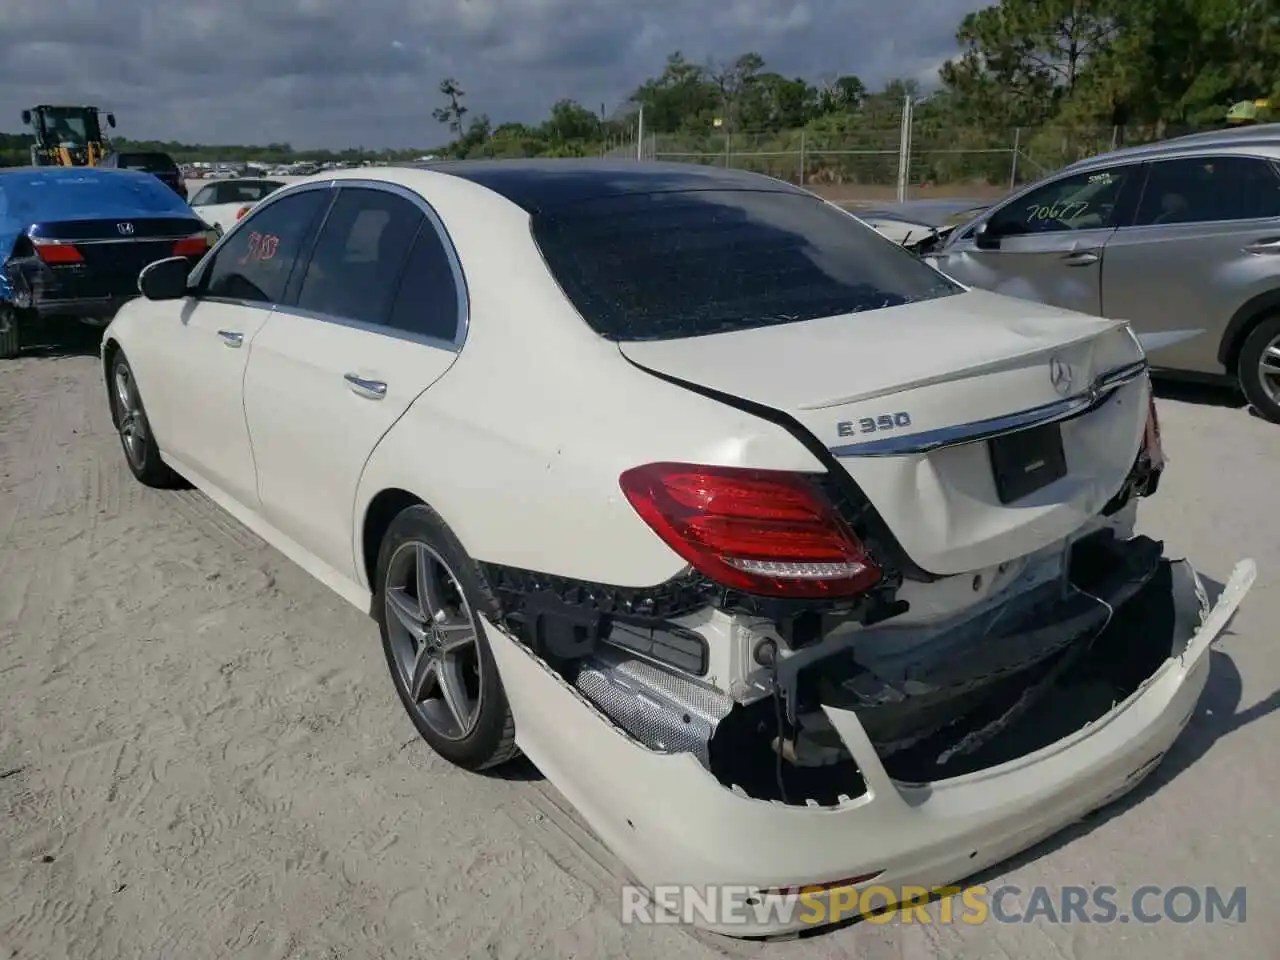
<point x="255" y="262"/>
<point x="204" y="198"/>
<point x="358" y="257"/>
<point x="427" y="301"/>
<point x="1209" y="189"/>
<point x="1086" y="201"/>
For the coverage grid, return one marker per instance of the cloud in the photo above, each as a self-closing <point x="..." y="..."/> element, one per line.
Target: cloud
<point x="337" y="73"/>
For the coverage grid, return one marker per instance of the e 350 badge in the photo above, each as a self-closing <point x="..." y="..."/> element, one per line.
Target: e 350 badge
<point x="888" y="421"/>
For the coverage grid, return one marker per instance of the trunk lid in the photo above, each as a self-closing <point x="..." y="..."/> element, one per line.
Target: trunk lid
<point x="939" y="410"/>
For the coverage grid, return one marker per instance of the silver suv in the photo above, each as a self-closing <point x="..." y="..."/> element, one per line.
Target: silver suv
<point x="1175" y="237"/>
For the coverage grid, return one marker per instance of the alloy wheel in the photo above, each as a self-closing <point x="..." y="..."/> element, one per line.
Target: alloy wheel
<point x="133" y="422"/>
<point x="434" y="639"/>
<point x="1269" y="370"/>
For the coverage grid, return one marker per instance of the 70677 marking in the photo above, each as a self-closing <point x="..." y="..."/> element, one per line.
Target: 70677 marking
<point x="888" y="421"/>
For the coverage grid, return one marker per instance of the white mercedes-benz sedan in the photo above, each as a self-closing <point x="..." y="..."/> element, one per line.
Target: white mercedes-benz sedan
<point x="790" y="561"/>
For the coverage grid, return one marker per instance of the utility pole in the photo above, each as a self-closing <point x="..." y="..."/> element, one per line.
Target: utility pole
<point x="640" y="134"/>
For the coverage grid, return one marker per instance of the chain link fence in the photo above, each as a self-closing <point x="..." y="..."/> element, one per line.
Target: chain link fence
<point x="921" y="157"/>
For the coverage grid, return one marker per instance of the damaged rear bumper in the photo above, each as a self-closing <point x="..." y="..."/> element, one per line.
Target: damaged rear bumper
<point x="671" y="822"/>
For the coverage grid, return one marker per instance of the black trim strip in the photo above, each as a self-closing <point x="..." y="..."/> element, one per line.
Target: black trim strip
<point x="857" y="507"/>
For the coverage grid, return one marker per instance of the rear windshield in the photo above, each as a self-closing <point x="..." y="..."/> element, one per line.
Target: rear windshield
<point x="148" y="162"/>
<point x="31" y="198"/>
<point x="663" y="266"/>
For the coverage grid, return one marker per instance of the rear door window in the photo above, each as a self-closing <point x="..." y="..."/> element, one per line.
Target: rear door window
<point x="256" y="260"/>
<point x="1209" y="190"/>
<point x="427" y="302"/>
<point x="684" y="264"/>
<point x="362" y="247"/>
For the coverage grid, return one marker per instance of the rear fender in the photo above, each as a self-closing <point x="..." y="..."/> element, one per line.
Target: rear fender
<point x="1244" y="319"/>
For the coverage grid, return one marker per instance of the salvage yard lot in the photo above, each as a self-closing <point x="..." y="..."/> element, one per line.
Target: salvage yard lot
<point x="200" y="755"/>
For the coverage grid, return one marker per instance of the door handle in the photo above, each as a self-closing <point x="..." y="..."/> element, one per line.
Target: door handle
<point x="1081" y="258"/>
<point x="369" y="389"/>
<point x="231" y="338"/>
<point x="1269" y="245"/>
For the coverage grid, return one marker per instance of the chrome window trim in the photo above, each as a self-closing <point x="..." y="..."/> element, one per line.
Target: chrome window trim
<point x="462" y="291"/>
<point x="1098" y="393"/>
<point x="380" y="329"/>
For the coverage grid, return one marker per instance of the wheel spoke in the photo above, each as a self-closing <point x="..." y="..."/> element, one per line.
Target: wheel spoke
<point x="455" y="636"/>
<point x="453" y="691"/>
<point x="408" y="612"/>
<point x="427" y="584"/>
<point x="124" y="395"/>
<point x="425" y="674"/>
<point x="1269" y="363"/>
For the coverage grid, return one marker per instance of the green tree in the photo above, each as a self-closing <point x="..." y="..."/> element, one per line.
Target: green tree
<point x="452" y="112"/>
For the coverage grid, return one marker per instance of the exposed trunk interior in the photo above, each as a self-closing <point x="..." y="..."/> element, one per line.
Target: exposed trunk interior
<point x="1110" y="627"/>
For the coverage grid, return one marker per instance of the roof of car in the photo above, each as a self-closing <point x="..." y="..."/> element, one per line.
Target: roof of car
<point x="537" y="185"/>
<point x="71" y="173"/>
<point x="1233" y="140"/>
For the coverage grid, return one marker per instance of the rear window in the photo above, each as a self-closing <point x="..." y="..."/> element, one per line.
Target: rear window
<point x="31" y="198"/>
<point x="664" y="266"/>
<point x="148" y="162"/>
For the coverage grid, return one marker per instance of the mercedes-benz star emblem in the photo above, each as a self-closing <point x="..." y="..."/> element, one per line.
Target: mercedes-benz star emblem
<point x="1061" y="376"/>
<point x="126" y="229"/>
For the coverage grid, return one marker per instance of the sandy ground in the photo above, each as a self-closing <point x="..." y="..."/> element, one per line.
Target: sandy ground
<point x="201" y="755"/>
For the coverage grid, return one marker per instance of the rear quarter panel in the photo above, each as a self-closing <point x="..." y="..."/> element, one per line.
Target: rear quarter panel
<point x="520" y="446"/>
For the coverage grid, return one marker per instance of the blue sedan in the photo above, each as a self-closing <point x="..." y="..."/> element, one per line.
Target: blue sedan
<point x="73" y="241"/>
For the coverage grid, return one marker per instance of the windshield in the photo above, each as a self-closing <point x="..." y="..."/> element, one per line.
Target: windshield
<point x="148" y="162"/>
<point x="69" y="126"/>
<point x="685" y="264"/>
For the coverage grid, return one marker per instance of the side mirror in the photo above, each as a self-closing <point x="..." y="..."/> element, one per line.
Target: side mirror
<point x="165" y="279"/>
<point x="984" y="238"/>
<point x="111" y="119"/>
<point x="26" y="118"/>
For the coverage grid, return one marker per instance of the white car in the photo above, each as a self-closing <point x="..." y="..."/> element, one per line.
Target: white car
<point x="787" y="559"/>
<point x="222" y="203"/>
<point x="914" y="223"/>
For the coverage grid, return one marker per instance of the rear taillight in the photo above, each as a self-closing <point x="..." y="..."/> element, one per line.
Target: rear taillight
<point x="242" y="211"/>
<point x="1151" y="440"/>
<point x="57" y="252"/>
<point x="763" y="532"/>
<point x="196" y="245"/>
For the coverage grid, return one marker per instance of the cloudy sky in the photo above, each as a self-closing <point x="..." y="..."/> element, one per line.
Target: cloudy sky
<point x="337" y="73"/>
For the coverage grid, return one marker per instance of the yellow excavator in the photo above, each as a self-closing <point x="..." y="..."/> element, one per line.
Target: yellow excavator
<point x="67" y="136"/>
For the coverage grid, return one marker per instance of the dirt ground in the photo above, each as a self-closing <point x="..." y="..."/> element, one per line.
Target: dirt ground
<point x="201" y="754"/>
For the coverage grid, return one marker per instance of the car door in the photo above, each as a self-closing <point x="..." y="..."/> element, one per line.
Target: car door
<point x="201" y="349"/>
<point x="1048" y="243"/>
<point x="1205" y="241"/>
<point x="375" y="320"/>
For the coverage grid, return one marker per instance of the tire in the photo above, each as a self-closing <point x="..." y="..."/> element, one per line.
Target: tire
<point x="1264" y="397"/>
<point x="460" y="707"/>
<point x="10" y="334"/>
<point x="136" y="440"/>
